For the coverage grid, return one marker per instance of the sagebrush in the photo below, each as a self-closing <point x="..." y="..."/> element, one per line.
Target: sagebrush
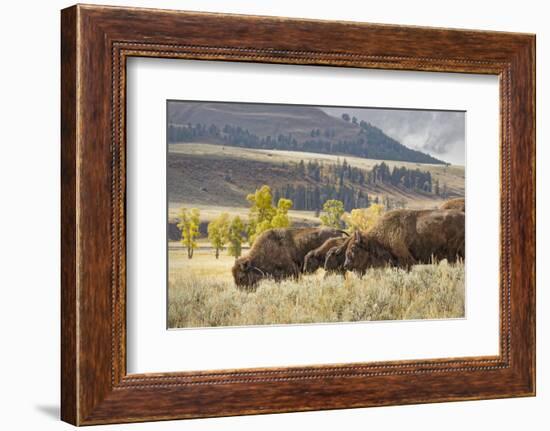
<point x="426" y="292"/>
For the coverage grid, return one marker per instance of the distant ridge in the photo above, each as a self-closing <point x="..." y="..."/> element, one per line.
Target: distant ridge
<point x="283" y="127"/>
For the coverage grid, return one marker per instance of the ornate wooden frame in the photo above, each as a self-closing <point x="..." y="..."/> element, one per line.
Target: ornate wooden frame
<point x="95" y="43"/>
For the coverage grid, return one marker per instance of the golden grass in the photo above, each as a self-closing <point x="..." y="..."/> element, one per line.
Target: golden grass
<point x="201" y="293"/>
<point x="203" y="264"/>
<point x="280" y="156"/>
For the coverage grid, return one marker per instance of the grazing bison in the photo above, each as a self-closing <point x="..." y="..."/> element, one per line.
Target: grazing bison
<point x="315" y="259"/>
<point x="336" y="256"/>
<point x="407" y="237"/>
<point x="454" y="204"/>
<point x="279" y="254"/>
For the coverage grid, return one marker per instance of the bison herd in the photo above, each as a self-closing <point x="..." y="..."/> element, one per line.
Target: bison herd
<point x="400" y="238"/>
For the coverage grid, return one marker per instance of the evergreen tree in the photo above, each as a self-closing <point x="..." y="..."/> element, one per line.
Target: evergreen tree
<point x="301" y="168"/>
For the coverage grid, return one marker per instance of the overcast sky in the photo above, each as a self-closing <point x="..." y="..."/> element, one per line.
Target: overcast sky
<point x="438" y="133"/>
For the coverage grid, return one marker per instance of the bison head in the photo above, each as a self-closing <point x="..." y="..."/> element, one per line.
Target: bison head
<point x="312" y="262"/>
<point x="363" y="252"/>
<point x="335" y="258"/>
<point x="245" y="273"/>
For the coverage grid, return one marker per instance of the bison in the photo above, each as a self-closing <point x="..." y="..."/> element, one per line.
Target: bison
<point x="335" y="259"/>
<point x="279" y="253"/>
<point x="454" y="204"/>
<point x="315" y="259"/>
<point x="407" y="237"/>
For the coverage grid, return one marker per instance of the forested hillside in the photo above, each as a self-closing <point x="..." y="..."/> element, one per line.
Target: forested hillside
<point x="200" y="175"/>
<point x="282" y="127"/>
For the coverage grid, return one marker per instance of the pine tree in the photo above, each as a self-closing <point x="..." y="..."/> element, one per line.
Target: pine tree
<point x="445" y="191"/>
<point x="301" y="168"/>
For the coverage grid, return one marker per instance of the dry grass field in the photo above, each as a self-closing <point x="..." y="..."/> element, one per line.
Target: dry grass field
<point x="219" y="154"/>
<point x="453" y="174"/>
<point x="201" y="293"/>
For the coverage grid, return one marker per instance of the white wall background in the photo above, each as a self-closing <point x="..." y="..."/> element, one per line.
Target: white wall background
<point x="29" y="215"/>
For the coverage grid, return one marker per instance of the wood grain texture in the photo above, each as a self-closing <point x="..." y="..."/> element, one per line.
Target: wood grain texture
<point x="69" y="366"/>
<point x="96" y="41"/>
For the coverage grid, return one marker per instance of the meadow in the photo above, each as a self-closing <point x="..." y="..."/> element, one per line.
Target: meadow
<point x="220" y="154"/>
<point x="201" y="293"/>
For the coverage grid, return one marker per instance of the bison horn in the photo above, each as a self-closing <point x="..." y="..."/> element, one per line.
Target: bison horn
<point x="257" y="269"/>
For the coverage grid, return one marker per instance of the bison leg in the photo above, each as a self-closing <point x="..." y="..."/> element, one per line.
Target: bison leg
<point x="291" y="271"/>
<point x="403" y="256"/>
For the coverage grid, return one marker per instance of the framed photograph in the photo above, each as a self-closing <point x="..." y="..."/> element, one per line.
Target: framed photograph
<point x="264" y="201"/>
<point x="265" y="215"/>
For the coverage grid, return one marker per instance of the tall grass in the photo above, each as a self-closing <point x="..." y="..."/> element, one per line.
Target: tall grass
<point x="426" y="292"/>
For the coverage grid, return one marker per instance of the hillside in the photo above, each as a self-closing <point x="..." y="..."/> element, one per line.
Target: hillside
<point x="210" y="176"/>
<point x="260" y="119"/>
<point x="283" y="127"/>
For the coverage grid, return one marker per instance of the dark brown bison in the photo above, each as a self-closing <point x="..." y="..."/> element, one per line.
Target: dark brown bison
<point x="315" y="259"/>
<point x="454" y="204"/>
<point x="279" y="254"/>
<point x="336" y="257"/>
<point x="407" y="237"/>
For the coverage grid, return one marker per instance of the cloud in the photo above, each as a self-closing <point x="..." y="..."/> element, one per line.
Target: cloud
<point x="439" y="133"/>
